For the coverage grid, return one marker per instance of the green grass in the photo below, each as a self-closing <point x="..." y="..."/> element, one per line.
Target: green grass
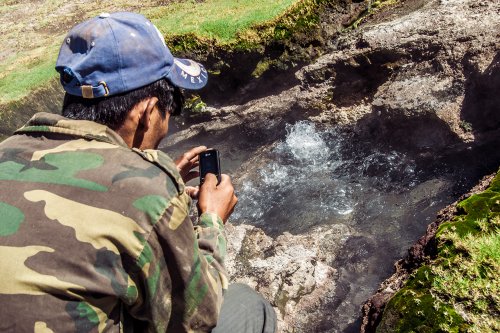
<point x="469" y="275"/>
<point x="215" y="19"/>
<point x="20" y="77"/>
<point x="458" y="291"/>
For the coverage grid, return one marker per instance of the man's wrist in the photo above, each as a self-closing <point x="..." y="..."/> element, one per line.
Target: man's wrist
<point x="211" y="219"/>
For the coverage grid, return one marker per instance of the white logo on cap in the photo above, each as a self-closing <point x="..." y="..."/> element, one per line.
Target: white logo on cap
<point x="192" y="69"/>
<point x="159" y="34"/>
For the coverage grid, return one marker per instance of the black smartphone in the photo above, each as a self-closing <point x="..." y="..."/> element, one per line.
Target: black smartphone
<point x="209" y="163"/>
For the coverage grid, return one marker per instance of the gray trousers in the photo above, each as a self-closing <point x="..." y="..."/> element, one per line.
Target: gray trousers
<point x="245" y="311"/>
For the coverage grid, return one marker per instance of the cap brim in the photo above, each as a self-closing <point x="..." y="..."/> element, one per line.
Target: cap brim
<point x="188" y="74"/>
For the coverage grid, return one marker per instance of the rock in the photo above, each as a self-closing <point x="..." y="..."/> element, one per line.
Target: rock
<point x="422" y="81"/>
<point x="293" y="272"/>
<point x="430" y="71"/>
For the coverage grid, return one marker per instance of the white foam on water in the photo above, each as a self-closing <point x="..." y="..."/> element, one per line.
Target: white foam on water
<point x="297" y="180"/>
<point x="275" y="174"/>
<point x="305" y="144"/>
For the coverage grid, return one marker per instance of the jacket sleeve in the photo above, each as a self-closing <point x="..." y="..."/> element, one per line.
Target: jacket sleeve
<point x="212" y="243"/>
<point x="180" y="272"/>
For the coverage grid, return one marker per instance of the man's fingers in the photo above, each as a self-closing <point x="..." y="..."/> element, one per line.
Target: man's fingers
<point x="192" y="154"/>
<point x="189" y="157"/>
<point x="191" y="175"/>
<point x="188" y="161"/>
<point x="192" y="191"/>
<point x="225" y="180"/>
<point x="185" y="166"/>
<point x="234" y="201"/>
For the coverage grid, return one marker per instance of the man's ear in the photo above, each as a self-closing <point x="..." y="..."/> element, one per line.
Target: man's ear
<point x="149" y="105"/>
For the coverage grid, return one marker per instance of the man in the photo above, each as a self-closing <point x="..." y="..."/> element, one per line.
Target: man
<point x="95" y="233"/>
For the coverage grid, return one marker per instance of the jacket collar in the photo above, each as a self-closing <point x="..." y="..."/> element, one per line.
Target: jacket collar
<point x="54" y="123"/>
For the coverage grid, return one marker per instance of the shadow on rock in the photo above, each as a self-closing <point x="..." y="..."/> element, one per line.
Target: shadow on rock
<point x="482" y="101"/>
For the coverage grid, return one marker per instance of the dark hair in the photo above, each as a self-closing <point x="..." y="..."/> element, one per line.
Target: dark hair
<point x="112" y="110"/>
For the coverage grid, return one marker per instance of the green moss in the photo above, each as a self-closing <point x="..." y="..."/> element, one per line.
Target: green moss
<point x="195" y="104"/>
<point x="459" y="290"/>
<point x="466" y="273"/>
<point x="281" y="300"/>
<point x="465" y="126"/>
<point x="189" y="41"/>
<point x="415" y="309"/>
<point x="479" y="207"/>
<point x="261" y="67"/>
<point x="374" y="6"/>
<point x="282" y="297"/>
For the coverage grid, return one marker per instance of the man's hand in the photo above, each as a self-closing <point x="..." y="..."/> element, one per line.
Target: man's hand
<point x="219" y="199"/>
<point x="187" y="162"/>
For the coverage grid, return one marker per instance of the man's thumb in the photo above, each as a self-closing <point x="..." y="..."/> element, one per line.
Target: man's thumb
<point x="210" y="180"/>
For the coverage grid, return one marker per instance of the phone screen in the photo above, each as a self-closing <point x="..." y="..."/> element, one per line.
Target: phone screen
<point x="209" y="163"/>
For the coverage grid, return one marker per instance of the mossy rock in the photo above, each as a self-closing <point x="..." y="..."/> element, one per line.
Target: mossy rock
<point x="479" y="207"/>
<point x="459" y="289"/>
<point x="415" y="309"/>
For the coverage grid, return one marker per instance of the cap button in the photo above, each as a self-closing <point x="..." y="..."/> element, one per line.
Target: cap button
<point x="104" y="15"/>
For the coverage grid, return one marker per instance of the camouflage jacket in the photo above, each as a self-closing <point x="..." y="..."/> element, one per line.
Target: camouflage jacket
<point x="95" y="236"/>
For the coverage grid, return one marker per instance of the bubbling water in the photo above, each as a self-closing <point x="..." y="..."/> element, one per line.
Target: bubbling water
<point x="305" y="144"/>
<point x="316" y="177"/>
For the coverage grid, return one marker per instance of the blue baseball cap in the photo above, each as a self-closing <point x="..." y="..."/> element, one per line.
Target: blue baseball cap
<point x="119" y="52"/>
